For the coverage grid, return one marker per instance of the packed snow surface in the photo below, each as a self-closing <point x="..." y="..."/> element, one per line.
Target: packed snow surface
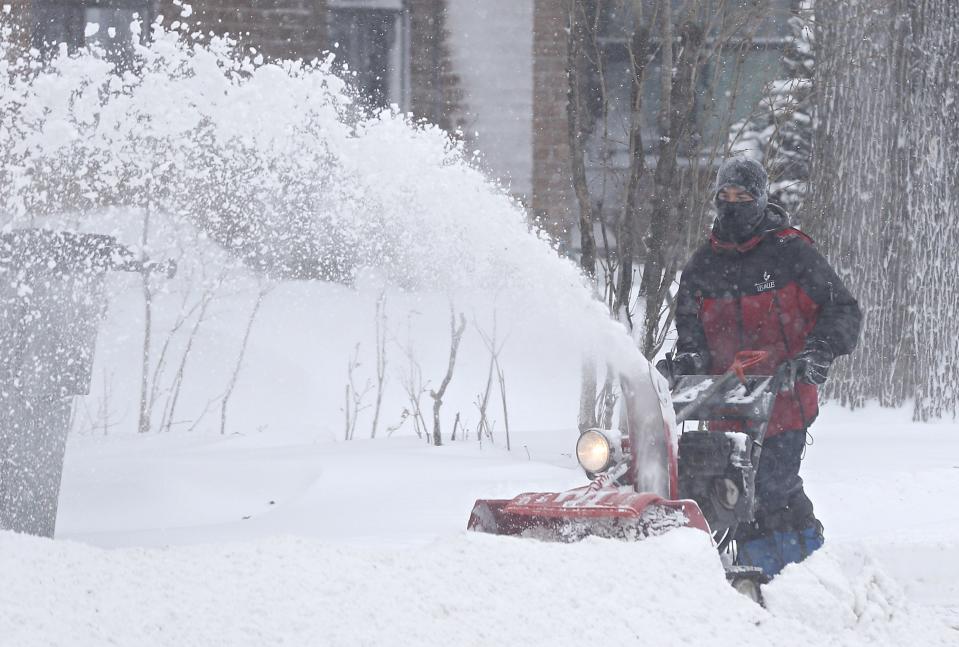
<point x="459" y="590"/>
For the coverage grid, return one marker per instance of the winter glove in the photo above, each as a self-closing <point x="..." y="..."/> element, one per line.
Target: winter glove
<point x="682" y="364"/>
<point x="811" y="366"/>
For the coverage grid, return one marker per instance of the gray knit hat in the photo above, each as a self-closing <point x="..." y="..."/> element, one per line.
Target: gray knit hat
<point x="745" y="173"/>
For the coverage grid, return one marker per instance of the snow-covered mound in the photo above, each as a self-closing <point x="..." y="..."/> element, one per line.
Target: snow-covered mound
<point x="845" y="593"/>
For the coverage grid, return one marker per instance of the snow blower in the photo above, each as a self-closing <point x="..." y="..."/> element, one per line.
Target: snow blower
<point x="647" y="477"/>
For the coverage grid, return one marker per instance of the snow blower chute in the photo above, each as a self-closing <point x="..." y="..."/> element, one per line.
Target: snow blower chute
<point x="648" y="478"/>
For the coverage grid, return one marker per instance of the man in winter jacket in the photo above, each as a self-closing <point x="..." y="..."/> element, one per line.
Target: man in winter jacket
<point x="759" y="284"/>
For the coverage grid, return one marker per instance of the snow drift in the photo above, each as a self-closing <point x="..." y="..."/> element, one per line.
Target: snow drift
<point x="465" y="590"/>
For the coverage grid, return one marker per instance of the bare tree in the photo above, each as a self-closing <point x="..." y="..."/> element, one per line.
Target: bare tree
<point x="234" y="377"/>
<point x="581" y="23"/>
<point x="413" y="385"/>
<point x="456" y="335"/>
<point x="106" y="421"/>
<point x="203" y="414"/>
<point x="143" y="425"/>
<point x="182" y="317"/>
<point x="494" y="347"/>
<point x="381" y="334"/>
<point x="606" y="400"/>
<point x="404" y="416"/>
<point x="102" y="421"/>
<point x="456" y="424"/>
<point x="501" y="379"/>
<point x="669" y="46"/>
<point x="582" y="19"/>
<point x="482" y="399"/>
<point x="355" y="398"/>
<point x="646" y="195"/>
<point x="169" y="410"/>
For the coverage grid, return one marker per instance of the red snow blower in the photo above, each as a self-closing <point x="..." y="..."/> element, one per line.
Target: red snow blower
<point x="647" y="477"/>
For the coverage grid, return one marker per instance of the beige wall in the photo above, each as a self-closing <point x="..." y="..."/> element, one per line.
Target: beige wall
<point x="492" y="48"/>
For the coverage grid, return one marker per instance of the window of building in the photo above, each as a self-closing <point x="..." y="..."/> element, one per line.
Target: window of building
<point x="110" y="29"/>
<point x="56" y="23"/>
<point x="370" y="39"/>
<point x="729" y="86"/>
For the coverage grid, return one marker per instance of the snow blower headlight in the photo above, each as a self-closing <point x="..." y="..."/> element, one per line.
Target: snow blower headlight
<point x="597" y="450"/>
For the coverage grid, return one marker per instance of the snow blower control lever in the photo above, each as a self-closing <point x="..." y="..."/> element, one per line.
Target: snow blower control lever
<point x="743" y="360"/>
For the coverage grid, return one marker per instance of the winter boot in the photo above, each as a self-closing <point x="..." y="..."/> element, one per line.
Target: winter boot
<point x="771" y="552"/>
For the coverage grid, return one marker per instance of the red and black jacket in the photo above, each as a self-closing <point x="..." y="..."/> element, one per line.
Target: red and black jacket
<point x="773" y="293"/>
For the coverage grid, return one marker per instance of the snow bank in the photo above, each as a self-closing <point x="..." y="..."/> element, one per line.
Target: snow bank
<point x="462" y="590"/>
<point x="848" y="595"/>
<point x="382" y="555"/>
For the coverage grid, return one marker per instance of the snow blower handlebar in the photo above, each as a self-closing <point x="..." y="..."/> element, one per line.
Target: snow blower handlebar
<point x="737" y="371"/>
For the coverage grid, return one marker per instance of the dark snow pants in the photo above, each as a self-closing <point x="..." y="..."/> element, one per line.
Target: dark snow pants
<point x="786" y="529"/>
<point x="781" y="502"/>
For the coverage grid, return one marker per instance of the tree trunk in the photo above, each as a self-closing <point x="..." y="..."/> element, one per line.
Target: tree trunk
<point x="677" y="117"/>
<point x="626" y="234"/>
<point x="578" y="37"/>
<point x="456" y="335"/>
<point x="889" y="224"/>
<point x="144" y="421"/>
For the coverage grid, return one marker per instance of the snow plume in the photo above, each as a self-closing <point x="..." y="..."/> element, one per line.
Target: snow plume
<point x="266" y="158"/>
<point x="197" y="142"/>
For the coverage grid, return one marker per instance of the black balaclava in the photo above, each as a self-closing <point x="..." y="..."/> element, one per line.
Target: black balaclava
<point x="736" y="222"/>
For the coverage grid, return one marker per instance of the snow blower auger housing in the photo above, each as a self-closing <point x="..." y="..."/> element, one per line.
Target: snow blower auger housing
<point x="640" y="487"/>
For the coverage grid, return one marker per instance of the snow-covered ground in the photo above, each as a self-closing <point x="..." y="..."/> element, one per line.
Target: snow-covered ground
<point x="258" y="539"/>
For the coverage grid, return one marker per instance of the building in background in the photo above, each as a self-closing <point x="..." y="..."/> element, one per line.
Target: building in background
<point x="495" y="69"/>
<point x="71" y="22"/>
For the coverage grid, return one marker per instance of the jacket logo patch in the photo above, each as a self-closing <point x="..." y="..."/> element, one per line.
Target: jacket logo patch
<point x="766" y="284"/>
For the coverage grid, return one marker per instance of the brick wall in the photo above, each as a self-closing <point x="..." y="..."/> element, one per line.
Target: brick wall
<point x="277" y="28"/>
<point x="435" y="93"/>
<point x="553" y="197"/>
